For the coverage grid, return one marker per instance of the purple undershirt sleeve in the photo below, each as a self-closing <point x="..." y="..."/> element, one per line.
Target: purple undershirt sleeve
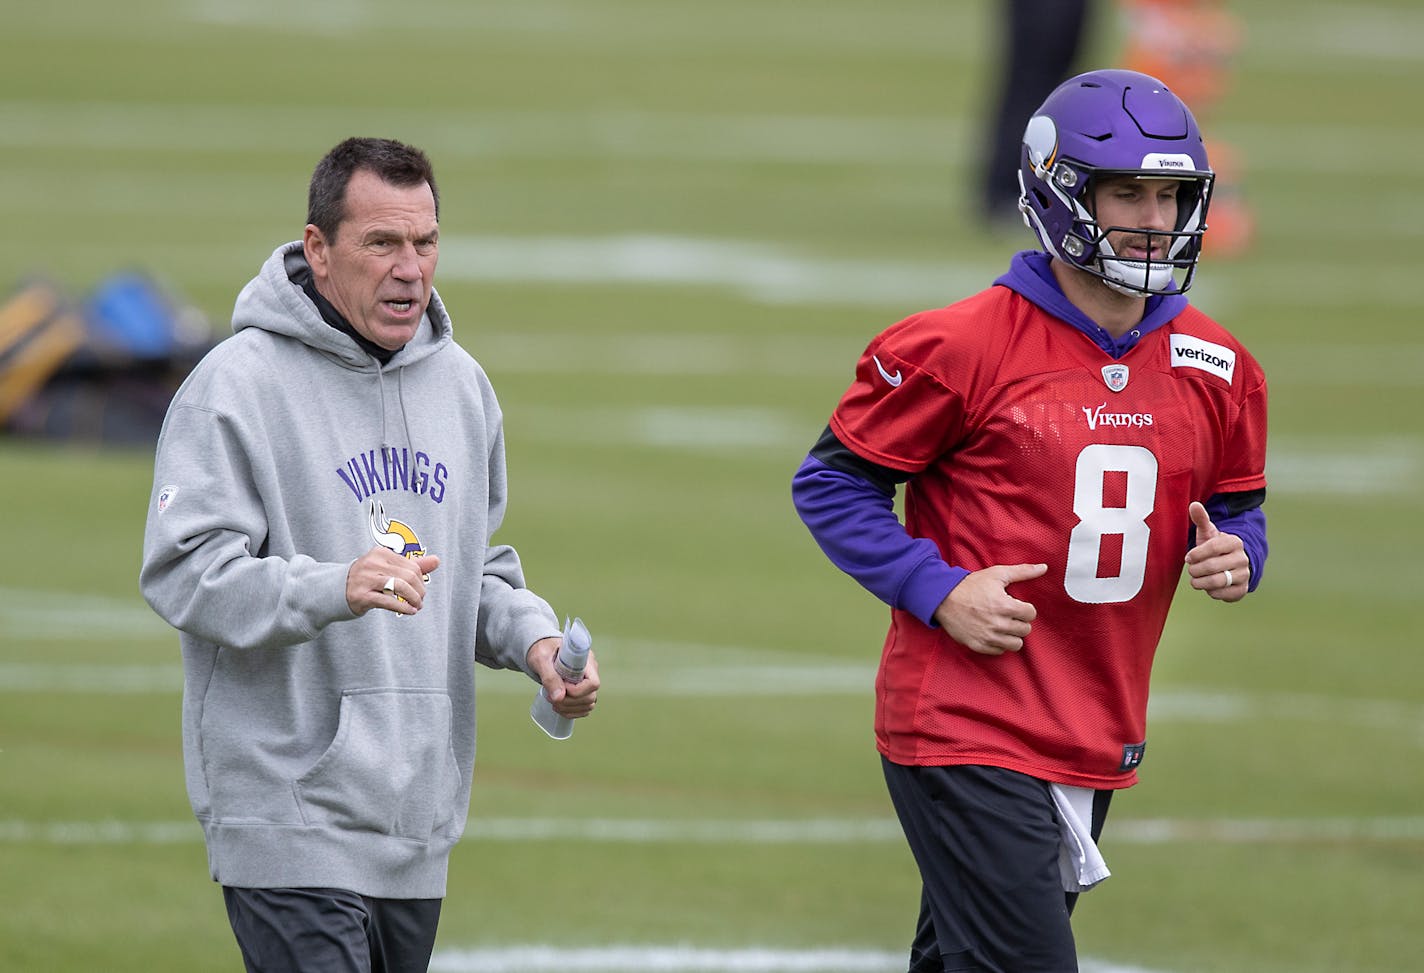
<point x="855" y="524"/>
<point x="1250" y="526"/>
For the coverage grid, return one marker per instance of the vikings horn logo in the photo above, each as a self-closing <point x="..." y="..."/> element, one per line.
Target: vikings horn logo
<point x="392" y="534"/>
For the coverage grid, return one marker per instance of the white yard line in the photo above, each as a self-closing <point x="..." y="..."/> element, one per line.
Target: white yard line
<point x="683" y="670"/>
<point x="774" y="273"/>
<point x="1313" y="36"/>
<point x="771" y="832"/>
<point x="503" y="134"/>
<point x="650" y="667"/>
<point x="758" y="271"/>
<point x="665" y="959"/>
<point x="854" y="831"/>
<point x="30" y="613"/>
<point x="689" y="959"/>
<point x="645" y="667"/>
<point x="766" y="356"/>
<point x="923" y="142"/>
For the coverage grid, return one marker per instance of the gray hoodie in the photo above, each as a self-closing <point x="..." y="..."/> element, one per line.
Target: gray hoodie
<point x="322" y="749"/>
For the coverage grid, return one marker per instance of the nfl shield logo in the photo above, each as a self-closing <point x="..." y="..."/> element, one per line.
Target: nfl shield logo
<point x="1116" y="377"/>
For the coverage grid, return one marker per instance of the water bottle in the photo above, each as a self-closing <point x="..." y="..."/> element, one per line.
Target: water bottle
<point x="569" y="664"/>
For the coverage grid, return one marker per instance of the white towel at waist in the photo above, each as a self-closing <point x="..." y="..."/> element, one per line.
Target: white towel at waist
<point x="1080" y="864"/>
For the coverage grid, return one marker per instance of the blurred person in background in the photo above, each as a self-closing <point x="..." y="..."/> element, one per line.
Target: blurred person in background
<point x="1068" y="440"/>
<point x="326" y="488"/>
<point x="1039" y="40"/>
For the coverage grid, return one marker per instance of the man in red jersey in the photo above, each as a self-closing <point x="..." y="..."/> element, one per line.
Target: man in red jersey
<point x="1068" y="439"/>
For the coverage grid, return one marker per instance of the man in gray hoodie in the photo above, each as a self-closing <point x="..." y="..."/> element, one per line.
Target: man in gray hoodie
<point x="326" y="487"/>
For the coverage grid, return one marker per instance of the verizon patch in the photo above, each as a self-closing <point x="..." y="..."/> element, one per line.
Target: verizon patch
<point x="1189" y="352"/>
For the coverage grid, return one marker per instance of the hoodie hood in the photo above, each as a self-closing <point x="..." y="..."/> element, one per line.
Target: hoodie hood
<point x="1030" y="274"/>
<point x="272" y="302"/>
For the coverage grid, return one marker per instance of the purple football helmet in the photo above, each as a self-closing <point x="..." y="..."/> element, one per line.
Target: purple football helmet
<point x="1107" y="123"/>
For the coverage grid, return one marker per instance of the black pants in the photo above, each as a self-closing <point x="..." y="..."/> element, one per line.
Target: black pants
<point x="331" y="931"/>
<point x="986" y="842"/>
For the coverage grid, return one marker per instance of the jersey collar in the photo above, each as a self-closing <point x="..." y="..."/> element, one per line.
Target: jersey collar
<point x="1031" y="276"/>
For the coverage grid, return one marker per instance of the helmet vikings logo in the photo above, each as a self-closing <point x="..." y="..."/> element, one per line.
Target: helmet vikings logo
<point x="1041" y="140"/>
<point x="392" y="534"/>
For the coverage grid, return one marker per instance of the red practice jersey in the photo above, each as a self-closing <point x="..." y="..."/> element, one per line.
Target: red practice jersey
<point x="1029" y="444"/>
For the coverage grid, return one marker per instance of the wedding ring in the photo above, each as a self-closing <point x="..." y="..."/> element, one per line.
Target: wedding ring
<point x="1229" y="582"/>
<point x="390" y="586"/>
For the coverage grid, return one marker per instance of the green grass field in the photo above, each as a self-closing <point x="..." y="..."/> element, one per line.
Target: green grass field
<point x="668" y="230"/>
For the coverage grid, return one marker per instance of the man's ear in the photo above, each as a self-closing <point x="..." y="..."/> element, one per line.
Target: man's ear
<point x="314" y="247"/>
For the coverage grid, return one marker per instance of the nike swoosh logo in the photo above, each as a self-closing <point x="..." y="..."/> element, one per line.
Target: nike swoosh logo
<point x="894" y="380"/>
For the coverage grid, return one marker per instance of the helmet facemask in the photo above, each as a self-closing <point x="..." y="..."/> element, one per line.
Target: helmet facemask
<point x="1181" y="244"/>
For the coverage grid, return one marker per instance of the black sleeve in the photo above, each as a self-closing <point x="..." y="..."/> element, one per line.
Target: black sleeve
<point x="1238" y="503"/>
<point x="838" y="456"/>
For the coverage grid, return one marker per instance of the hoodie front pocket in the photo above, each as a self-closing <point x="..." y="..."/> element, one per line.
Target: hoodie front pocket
<point x="390" y="767"/>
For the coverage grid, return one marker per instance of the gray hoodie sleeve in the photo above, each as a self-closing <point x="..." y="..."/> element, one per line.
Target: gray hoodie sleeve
<point x="203" y="570"/>
<point x="512" y="618"/>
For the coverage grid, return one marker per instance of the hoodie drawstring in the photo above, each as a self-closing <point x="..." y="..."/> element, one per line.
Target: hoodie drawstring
<point x="400" y="404"/>
<point x="381" y="381"/>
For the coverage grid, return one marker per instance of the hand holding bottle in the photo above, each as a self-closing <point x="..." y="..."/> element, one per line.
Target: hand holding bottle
<point x="569" y="664"/>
